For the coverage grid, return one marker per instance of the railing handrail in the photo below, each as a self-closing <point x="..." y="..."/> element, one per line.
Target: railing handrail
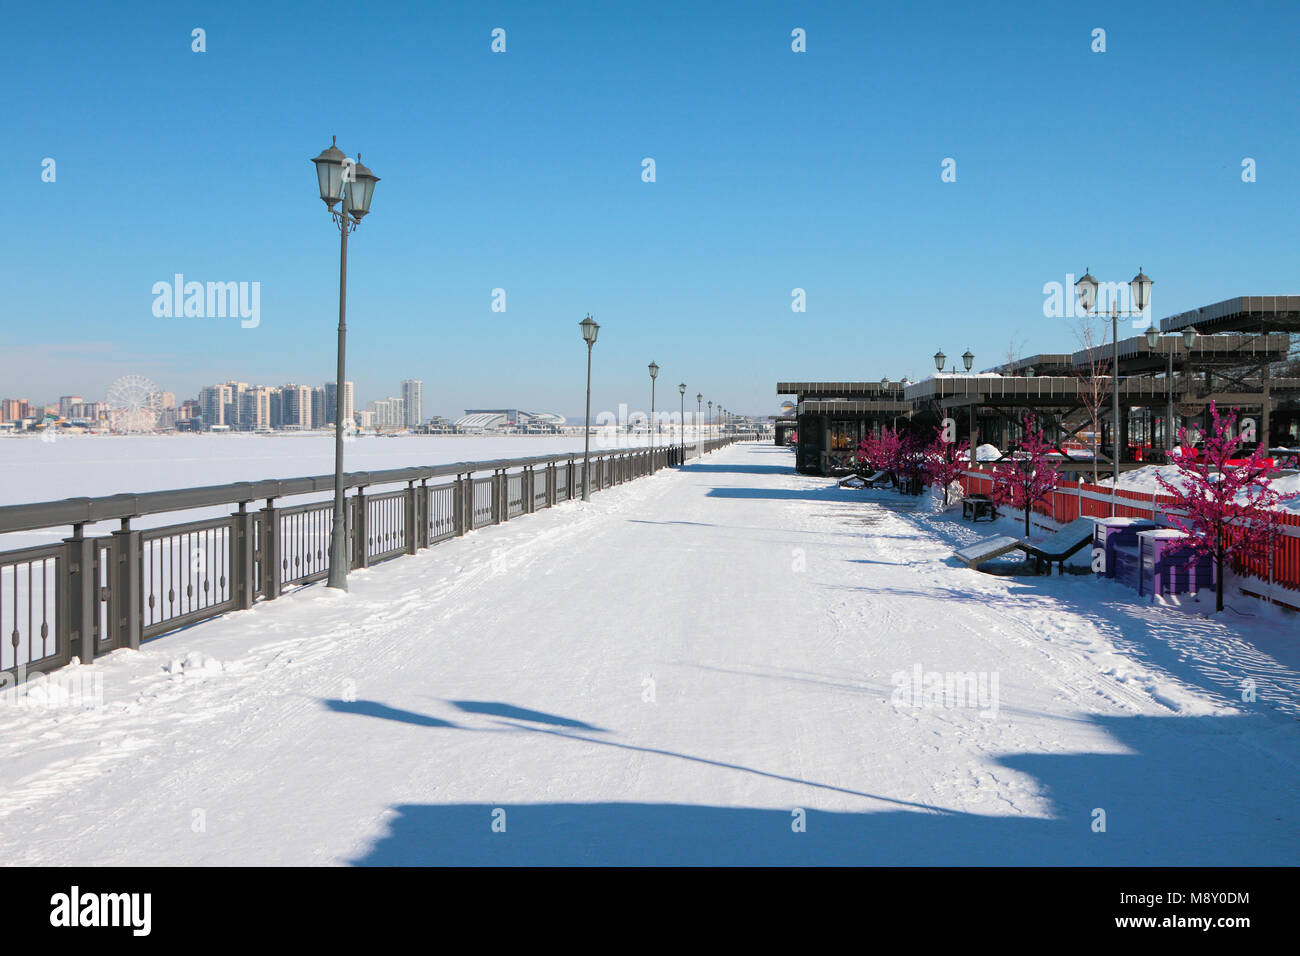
<point x="35" y="516"/>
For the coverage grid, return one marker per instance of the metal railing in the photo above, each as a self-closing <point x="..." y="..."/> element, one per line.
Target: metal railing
<point x="87" y="595"/>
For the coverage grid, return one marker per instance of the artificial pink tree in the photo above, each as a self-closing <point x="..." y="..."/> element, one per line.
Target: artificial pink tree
<point x="945" y="461"/>
<point x="1029" y="477"/>
<point x="881" y="451"/>
<point x="1227" y="511"/>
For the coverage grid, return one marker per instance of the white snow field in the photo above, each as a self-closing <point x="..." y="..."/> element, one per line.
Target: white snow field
<point x="73" y="466"/>
<point x="714" y="665"/>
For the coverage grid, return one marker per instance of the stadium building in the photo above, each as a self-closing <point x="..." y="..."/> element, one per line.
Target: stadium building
<point x="512" y="420"/>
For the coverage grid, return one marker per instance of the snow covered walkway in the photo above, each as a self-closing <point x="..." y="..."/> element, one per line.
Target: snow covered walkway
<point x="691" y="668"/>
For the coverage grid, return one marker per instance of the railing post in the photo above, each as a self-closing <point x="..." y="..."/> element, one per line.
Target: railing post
<point x="413" y="523"/>
<point x="270" y="551"/>
<point x="550" y="484"/>
<point x="526" y="481"/>
<point x="79" y="578"/>
<point x="360" y="544"/>
<point x="464" y="504"/>
<point x="241" y="556"/>
<point x="498" y="495"/>
<point x="124" y="598"/>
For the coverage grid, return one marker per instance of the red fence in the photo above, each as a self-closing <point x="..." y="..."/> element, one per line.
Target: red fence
<point x="1096" y="501"/>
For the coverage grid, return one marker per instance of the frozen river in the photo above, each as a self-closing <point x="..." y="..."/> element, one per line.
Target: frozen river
<point x="92" y="465"/>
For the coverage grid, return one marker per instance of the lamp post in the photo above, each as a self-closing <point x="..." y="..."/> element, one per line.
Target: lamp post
<point x="681" y="436"/>
<point x="345" y="180"/>
<point x="699" y="413"/>
<point x="1140" y="287"/>
<point x="710" y="419"/>
<point x="967" y="360"/>
<point x="589" y="332"/>
<point x="654" y="374"/>
<point x="1153" y="342"/>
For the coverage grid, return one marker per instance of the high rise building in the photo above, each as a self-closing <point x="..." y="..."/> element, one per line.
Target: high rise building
<point x="381" y="413"/>
<point x="413" y="398"/>
<point x="318" y="407"/>
<point x="214" y="401"/>
<point x="295" y="406"/>
<point x="14" y="409"/>
<point x="255" y="408"/>
<point x="234" y="402"/>
<point x="66" y="402"/>
<point x="331" y="402"/>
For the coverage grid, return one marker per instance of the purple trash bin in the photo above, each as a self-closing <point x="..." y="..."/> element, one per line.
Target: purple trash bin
<point x="1165" y="568"/>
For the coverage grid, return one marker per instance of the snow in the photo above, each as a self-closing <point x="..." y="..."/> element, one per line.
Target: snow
<point x="96" y="465"/>
<point x="1145" y="479"/>
<point x="677" y="672"/>
<point x="987" y="452"/>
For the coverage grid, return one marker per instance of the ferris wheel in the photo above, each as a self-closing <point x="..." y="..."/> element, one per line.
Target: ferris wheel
<point x="133" y="404"/>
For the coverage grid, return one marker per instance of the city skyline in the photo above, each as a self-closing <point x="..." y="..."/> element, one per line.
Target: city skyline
<point x="427" y="414"/>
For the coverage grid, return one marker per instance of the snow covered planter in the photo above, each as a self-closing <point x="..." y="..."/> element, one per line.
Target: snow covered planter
<point x="1227" y="510"/>
<point x="1030" y="477"/>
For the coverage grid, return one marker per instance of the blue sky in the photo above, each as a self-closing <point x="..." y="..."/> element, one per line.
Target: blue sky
<point x="775" y="170"/>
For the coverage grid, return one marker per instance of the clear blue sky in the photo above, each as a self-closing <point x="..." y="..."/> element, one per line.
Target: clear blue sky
<point x="522" y="170"/>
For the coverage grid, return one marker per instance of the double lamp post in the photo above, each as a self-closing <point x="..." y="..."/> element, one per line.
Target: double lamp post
<point x="347" y="181"/>
<point x="1086" y="289"/>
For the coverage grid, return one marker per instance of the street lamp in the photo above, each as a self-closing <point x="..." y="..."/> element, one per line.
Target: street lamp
<point x="1153" y="342"/>
<point x="968" y="360"/>
<point x="589" y="332"/>
<point x="681" y="437"/>
<point x="699" y="413"/>
<point x="1140" y="287"/>
<point x="654" y="374"/>
<point x="340" y="178"/>
<point x="710" y="419"/>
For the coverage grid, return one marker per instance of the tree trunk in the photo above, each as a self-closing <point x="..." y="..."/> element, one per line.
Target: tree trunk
<point x="1218" y="582"/>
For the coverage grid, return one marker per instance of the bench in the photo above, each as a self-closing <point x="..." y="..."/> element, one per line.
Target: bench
<point x="977" y="506"/>
<point x="1064" y="544"/>
<point x="976" y="554"/>
<point x="866" y="481"/>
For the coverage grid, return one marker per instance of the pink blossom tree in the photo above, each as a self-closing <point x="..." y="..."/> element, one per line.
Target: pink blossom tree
<point x="945" y="461"/>
<point x="1228" y="511"/>
<point x="909" y="464"/>
<point x="1029" y="476"/>
<point x="881" y="451"/>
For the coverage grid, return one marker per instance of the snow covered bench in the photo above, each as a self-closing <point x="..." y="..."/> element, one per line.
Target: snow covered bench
<point x="1063" y="545"/>
<point x="976" y="554"/>
<point x="867" y="482"/>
